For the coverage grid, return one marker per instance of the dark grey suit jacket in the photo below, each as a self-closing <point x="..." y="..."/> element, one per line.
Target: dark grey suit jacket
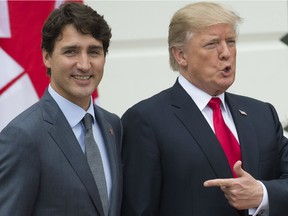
<point x="43" y="171"/>
<point x="169" y="150"/>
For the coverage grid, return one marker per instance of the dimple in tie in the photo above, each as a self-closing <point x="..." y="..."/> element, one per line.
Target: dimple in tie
<point x="95" y="162"/>
<point x="226" y="138"/>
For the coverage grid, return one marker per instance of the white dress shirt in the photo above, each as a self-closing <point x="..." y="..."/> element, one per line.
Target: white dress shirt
<point x="74" y="115"/>
<point x="201" y="99"/>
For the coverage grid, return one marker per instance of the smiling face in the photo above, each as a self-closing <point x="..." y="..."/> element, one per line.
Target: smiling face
<point x="209" y="60"/>
<point x="77" y="65"/>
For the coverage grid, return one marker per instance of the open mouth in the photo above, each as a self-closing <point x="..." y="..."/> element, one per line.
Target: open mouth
<point x="227" y="69"/>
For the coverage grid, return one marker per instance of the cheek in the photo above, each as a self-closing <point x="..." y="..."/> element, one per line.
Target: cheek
<point x="201" y="62"/>
<point x="203" y="57"/>
<point x="64" y="66"/>
<point x="61" y="70"/>
<point x="99" y="67"/>
<point x="99" y="75"/>
<point x="98" y="72"/>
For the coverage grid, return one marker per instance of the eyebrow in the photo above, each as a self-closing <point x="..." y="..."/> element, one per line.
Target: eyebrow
<point x="98" y="47"/>
<point x="69" y="47"/>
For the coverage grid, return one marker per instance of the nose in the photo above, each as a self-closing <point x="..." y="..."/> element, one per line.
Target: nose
<point x="224" y="51"/>
<point x="83" y="63"/>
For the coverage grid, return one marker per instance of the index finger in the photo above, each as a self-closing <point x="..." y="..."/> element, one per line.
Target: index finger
<point x="218" y="183"/>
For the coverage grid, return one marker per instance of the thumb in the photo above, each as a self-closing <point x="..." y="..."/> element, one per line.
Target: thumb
<point x="238" y="169"/>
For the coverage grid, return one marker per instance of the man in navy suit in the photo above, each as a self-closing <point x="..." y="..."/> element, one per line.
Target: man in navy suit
<point x="173" y="162"/>
<point x="43" y="167"/>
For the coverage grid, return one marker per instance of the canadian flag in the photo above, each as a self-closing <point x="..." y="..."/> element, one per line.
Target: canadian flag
<point x="23" y="78"/>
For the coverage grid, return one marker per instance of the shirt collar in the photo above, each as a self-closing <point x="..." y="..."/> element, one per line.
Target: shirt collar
<point x="73" y="113"/>
<point x="200" y="97"/>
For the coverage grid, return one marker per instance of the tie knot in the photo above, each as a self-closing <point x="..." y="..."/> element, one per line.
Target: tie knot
<point x="87" y="121"/>
<point x="214" y="103"/>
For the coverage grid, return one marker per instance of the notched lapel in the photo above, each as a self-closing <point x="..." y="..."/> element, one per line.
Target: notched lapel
<point x="110" y="144"/>
<point x="246" y="134"/>
<point x="192" y="118"/>
<point x="206" y="139"/>
<point x="64" y="137"/>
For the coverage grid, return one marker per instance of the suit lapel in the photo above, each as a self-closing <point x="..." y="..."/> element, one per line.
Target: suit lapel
<point x="189" y="114"/>
<point x="64" y="137"/>
<point x="246" y="135"/>
<point x="192" y="118"/>
<point x="110" y="144"/>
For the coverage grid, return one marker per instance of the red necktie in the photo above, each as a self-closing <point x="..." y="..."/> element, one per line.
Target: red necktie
<point x="226" y="138"/>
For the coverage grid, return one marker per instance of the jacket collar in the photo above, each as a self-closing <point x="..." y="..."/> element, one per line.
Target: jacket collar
<point x="189" y="114"/>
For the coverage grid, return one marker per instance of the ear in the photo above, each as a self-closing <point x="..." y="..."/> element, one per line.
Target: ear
<point x="46" y="58"/>
<point x="179" y="56"/>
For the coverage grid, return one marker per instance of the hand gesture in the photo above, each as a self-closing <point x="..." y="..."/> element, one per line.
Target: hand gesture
<point x="243" y="192"/>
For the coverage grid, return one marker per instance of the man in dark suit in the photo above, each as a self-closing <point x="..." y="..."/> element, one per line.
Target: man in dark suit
<point x="43" y="167"/>
<point x="174" y="164"/>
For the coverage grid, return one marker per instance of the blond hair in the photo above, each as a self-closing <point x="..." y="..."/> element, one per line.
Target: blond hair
<point x="193" y="17"/>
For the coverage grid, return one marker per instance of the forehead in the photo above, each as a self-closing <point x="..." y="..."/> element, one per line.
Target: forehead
<point x="70" y="36"/>
<point x="218" y="30"/>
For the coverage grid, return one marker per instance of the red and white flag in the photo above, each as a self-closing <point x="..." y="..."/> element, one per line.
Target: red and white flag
<point x="23" y="78"/>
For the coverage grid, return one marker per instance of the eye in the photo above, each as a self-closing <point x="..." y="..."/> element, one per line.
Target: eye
<point x="211" y="45"/>
<point x="231" y="42"/>
<point x="70" y="52"/>
<point x="96" y="52"/>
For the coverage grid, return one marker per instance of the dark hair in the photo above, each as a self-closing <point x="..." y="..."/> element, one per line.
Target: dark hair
<point x="82" y="17"/>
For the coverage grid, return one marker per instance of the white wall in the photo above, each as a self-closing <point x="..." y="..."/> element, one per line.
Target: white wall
<point x="137" y="64"/>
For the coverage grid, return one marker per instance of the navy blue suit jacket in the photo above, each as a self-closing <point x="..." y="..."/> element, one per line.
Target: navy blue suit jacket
<point x="169" y="150"/>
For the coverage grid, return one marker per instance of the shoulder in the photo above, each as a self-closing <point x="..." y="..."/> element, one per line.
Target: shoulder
<point x="149" y="110"/>
<point x="26" y="117"/>
<point x="20" y="133"/>
<point x="111" y="119"/>
<point x="107" y="116"/>
<point x="103" y="113"/>
<point x="254" y="105"/>
<point x="242" y="99"/>
<point x="154" y="103"/>
<point x="32" y="119"/>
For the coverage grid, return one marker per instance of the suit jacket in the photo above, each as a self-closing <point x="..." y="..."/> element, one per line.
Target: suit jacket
<point x="169" y="150"/>
<point x="43" y="171"/>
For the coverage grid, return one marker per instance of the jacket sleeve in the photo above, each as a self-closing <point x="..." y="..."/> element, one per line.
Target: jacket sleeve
<point x="278" y="188"/>
<point x="142" y="168"/>
<point x="19" y="175"/>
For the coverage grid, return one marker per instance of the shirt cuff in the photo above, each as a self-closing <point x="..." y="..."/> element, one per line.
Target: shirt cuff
<point x="263" y="208"/>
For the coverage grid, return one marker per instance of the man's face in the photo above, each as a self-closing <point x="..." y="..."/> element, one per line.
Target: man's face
<point x="77" y="65"/>
<point x="210" y="59"/>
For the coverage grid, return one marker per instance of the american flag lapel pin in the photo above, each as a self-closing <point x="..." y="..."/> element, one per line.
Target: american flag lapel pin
<point x="242" y="112"/>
